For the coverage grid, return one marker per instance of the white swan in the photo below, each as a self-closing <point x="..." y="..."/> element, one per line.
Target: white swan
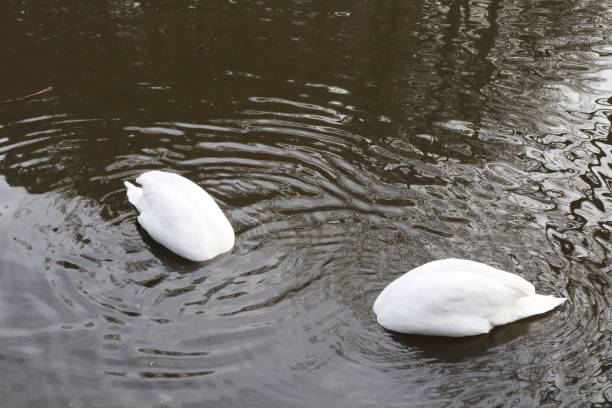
<point x="180" y="215"/>
<point x="456" y="298"/>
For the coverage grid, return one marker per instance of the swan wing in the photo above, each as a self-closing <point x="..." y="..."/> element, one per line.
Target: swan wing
<point x="450" y="267"/>
<point x="171" y="220"/>
<point x="184" y="187"/>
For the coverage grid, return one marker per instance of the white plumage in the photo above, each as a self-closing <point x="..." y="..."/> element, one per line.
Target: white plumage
<point x="180" y="215"/>
<point x="455" y="298"/>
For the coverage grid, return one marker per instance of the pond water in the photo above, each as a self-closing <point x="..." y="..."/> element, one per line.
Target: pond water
<point x="348" y="142"/>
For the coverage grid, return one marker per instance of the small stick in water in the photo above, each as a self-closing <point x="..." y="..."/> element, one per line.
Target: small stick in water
<point x="23" y="98"/>
<point x="204" y="45"/>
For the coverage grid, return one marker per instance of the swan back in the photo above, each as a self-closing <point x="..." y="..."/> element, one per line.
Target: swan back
<point x="183" y="217"/>
<point x="455" y="297"/>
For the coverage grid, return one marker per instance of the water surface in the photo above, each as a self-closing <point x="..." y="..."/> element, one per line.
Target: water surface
<point x="348" y="142"/>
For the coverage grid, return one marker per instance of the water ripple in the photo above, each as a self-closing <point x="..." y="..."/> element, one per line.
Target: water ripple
<point x="346" y="145"/>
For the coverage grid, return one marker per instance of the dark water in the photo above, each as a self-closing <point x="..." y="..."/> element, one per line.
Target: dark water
<point x="348" y="141"/>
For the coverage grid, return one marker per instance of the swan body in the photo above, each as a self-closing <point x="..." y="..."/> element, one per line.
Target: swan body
<point x="456" y="298"/>
<point x="180" y="215"/>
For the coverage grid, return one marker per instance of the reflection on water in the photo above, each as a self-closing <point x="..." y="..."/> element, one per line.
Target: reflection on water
<point x="347" y="142"/>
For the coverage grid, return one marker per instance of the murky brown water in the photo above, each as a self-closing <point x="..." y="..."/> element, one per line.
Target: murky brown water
<point x="348" y="141"/>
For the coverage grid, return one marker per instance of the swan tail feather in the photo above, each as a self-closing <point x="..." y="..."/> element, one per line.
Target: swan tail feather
<point x="538" y="304"/>
<point x="527" y="306"/>
<point x="134" y="195"/>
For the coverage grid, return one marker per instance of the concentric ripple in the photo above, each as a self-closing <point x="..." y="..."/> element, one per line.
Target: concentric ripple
<point x="347" y="144"/>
